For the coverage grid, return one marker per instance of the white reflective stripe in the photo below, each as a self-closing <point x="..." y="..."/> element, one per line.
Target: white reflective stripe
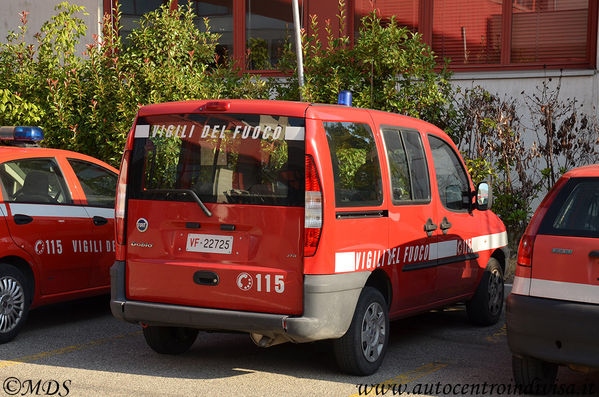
<point x="489" y="242"/>
<point x="345" y="262"/>
<point x="59" y="211"/>
<point x="107" y="213"/>
<point x="295" y="133"/>
<point x="566" y="291"/>
<point x="142" y="131"/>
<point x="521" y="286"/>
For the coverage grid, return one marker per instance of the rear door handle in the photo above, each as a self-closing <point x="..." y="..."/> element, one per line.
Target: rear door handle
<point x="594" y="254"/>
<point x="429" y="227"/>
<point x="21" y="219"/>
<point x="99" y="220"/>
<point x="445" y="225"/>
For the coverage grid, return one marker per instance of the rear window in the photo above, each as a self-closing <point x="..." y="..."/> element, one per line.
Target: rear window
<point x="575" y="210"/>
<point x="223" y="158"/>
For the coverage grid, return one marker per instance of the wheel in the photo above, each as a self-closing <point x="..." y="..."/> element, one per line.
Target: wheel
<point x="170" y="340"/>
<point x="14" y="301"/>
<point x="487" y="303"/>
<point x="362" y="349"/>
<point x="533" y="375"/>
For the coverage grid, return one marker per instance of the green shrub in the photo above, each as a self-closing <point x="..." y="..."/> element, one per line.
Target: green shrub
<point x="388" y="68"/>
<point x="87" y="102"/>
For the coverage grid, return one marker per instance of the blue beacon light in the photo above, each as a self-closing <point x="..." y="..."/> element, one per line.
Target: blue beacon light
<point x="22" y="134"/>
<point x="344" y="98"/>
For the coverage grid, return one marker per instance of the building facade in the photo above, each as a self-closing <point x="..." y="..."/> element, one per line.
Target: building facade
<point x="506" y="46"/>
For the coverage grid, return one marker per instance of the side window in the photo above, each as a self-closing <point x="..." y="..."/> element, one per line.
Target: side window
<point x="98" y="183"/>
<point x="407" y="163"/>
<point x="355" y="164"/>
<point x="34" y="181"/>
<point x="452" y="180"/>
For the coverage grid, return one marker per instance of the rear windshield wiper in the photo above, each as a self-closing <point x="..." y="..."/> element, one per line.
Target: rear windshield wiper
<point x="185" y="191"/>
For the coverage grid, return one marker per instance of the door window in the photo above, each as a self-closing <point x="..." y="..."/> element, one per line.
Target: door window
<point x="408" y="168"/>
<point x="452" y="180"/>
<point x="33" y="181"/>
<point x="355" y="164"/>
<point x="98" y="183"/>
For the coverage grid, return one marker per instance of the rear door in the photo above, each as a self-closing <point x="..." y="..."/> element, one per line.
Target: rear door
<point x="215" y="211"/>
<point x="99" y="186"/>
<point x="566" y="248"/>
<point x="43" y="220"/>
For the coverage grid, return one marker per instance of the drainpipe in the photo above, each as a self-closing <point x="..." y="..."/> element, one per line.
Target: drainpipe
<point x="298" y="45"/>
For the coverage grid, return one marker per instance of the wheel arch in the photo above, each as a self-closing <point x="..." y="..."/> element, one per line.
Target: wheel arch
<point x="25" y="268"/>
<point x="380" y="280"/>
<point x="501" y="255"/>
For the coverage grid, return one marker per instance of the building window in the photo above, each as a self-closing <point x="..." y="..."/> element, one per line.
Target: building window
<point x="268" y="28"/>
<point x="253" y="33"/>
<point x="544" y="31"/>
<point x="220" y="19"/>
<point x="131" y="12"/>
<point x="405" y="12"/>
<point x="467" y="34"/>
<point x="499" y="34"/>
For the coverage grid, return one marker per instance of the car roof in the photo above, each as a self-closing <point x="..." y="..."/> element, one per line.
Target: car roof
<point x="257" y="106"/>
<point x="586" y="171"/>
<point x="265" y="106"/>
<point x="8" y="153"/>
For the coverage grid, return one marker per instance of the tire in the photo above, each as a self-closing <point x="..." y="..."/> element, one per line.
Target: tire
<point x="534" y="376"/>
<point x="170" y="340"/>
<point x="15" y="300"/>
<point x="486" y="305"/>
<point x="362" y="349"/>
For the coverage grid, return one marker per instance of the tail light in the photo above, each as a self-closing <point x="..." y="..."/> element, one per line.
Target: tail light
<point x="313" y="209"/>
<point x="121" y="200"/>
<point x="525" y="250"/>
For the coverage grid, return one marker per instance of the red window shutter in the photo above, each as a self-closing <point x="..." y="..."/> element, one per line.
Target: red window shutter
<point x="468" y="32"/>
<point x="405" y="11"/>
<point x="549" y="31"/>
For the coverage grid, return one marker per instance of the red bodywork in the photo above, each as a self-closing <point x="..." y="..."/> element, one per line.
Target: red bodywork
<point x="558" y="266"/>
<point x="268" y="241"/>
<point x="65" y="253"/>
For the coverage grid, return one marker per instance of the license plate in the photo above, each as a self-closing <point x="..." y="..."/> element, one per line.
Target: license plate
<point x="209" y="243"/>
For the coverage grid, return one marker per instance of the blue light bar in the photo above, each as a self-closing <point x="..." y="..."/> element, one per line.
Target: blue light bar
<point x="344" y="98"/>
<point x="22" y="134"/>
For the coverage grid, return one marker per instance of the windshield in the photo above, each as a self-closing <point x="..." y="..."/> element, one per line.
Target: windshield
<point x="223" y="158"/>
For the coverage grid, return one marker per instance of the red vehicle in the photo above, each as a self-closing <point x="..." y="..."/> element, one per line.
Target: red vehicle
<point x="553" y="310"/>
<point x="57" y="228"/>
<point x="297" y="222"/>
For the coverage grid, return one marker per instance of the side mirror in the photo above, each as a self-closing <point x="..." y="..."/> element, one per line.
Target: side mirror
<point x="484" y="196"/>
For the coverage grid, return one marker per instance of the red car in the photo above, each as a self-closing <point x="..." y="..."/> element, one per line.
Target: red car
<point x="297" y="222"/>
<point x="57" y="233"/>
<point x="553" y="310"/>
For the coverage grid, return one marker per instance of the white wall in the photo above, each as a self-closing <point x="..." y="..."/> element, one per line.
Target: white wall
<point x="40" y="11"/>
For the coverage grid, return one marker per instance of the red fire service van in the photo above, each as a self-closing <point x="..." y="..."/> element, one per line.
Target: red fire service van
<point x="297" y="222"/>
<point x="56" y="226"/>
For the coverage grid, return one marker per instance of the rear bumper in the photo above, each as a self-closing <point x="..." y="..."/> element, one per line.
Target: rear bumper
<point x="329" y="303"/>
<point x="557" y="331"/>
